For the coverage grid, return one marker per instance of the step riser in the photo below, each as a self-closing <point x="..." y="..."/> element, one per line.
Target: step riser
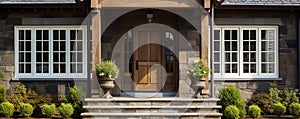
<point x="158" y="117"/>
<point x="152" y="110"/>
<point x="151" y="103"/>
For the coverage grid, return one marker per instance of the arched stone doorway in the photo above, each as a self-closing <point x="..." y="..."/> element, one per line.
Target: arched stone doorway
<point x="144" y="45"/>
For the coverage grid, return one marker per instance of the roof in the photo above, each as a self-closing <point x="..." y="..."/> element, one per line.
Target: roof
<point x="37" y="1"/>
<point x="262" y="2"/>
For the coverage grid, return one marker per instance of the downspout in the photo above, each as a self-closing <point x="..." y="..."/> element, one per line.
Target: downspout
<point x="212" y="84"/>
<point x="89" y="49"/>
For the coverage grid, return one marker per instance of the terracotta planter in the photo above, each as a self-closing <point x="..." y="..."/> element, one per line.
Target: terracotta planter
<point x="106" y="84"/>
<point x="198" y="85"/>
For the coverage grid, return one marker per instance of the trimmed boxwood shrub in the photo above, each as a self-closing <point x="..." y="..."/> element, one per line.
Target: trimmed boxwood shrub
<point x="279" y="109"/>
<point x="26" y="109"/>
<point x="6" y="109"/>
<point x="74" y="98"/>
<point x="231" y="96"/>
<point x="66" y="110"/>
<point x="18" y="96"/>
<point x="48" y="110"/>
<point x="295" y="109"/>
<point x="254" y="111"/>
<point x="2" y="93"/>
<point x="232" y="112"/>
<point x="264" y="101"/>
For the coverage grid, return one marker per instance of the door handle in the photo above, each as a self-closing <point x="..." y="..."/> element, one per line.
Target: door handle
<point x="136" y="65"/>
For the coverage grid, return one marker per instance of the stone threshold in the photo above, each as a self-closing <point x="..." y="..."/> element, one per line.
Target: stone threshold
<point x="151" y="114"/>
<point x="152" y="107"/>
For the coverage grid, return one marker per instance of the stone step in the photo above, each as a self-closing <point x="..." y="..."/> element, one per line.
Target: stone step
<point x="174" y="115"/>
<point x="151" y="101"/>
<point x="149" y="109"/>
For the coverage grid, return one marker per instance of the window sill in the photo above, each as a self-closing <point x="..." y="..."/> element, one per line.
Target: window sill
<point x="48" y="79"/>
<point x="245" y="79"/>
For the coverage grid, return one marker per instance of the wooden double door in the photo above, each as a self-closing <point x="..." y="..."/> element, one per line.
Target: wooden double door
<point x="154" y="66"/>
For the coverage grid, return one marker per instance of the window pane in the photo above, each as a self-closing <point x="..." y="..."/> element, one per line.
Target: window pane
<point x="246" y="46"/>
<point x="227" y="68"/>
<point x="39" y="68"/>
<point x="28" y="35"/>
<point x="55" y="57"/>
<point x="79" y="35"/>
<point x="62" y="35"/>
<point x="234" y="35"/>
<point x="28" y="68"/>
<point x="21" y="57"/>
<point x="55" y="46"/>
<point x="21" y="35"/>
<point x="234" y="68"/>
<point x="246" y="68"/>
<point x="217" y="35"/>
<point x="79" y="57"/>
<point x="227" y="57"/>
<point x="21" y="68"/>
<point x="28" y="45"/>
<point x="62" y="57"/>
<point x="217" y="68"/>
<point x="46" y="35"/>
<point x="38" y="46"/>
<point x="234" y="46"/>
<point x="245" y="34"/>
<point x="73" y="57"/>
<point x="253" y="35"/>
<point x="217" y="57"/>
<point x="253" y="68"/>
<point x="73" y="46"/>
<point x="62" y="68"/>
<point x="253" y="46"/>
<point x="62" y="46"/>
<point x="246" y="57"/>
<point x="216" y="46"/>
<point x="227" y="34"/>
<point x="73" y="34"/>
<point x="227" y="46"/>
<point x="21" y="46"/>
<point x="45" y="57"/>
<point x="38" y="34"/>
<point x="73" y="68"/>
<point x="79" y="46"/>
<point x="263" y="34"/>
<point x="39" y="57"/>
<point x="55" y="35"/>
<point x="253" y="57"/>
<point x="234" y="57"/>
<point x="55" y="68"/>
<point x="45" y="46"/>
<point x="79" y="68"/>
<point x="28" y="57"/>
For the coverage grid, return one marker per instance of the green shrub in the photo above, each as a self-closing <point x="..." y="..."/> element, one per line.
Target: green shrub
<point x="2" y="93"/>
<point x="264" y="101"/>
<point x="295" y="109"/>
<point x="74" y="98"/>
<point x="285" y="96"/>
<point x="232" y="112"/>
<point x="6" y="109"/>
<point x="66" y="110"/>
<point x="254" y="111"/>
<point x="279" y="109"/>
<point x="48" y="110"/>
<point x="231" y="96"/>
<point x="18" y="96"/>
<point x="26" y="109"/>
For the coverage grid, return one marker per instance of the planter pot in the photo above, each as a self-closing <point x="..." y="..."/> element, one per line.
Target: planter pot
<point x="106" y="84"/>
<point x="198" y="85"/>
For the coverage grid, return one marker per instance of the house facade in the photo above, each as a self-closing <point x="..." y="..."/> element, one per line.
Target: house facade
<point x="53" y="44"/>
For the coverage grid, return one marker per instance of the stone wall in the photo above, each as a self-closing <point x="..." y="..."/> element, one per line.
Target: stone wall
<point x="287" y="21"/>
<point x="24" y="15"/>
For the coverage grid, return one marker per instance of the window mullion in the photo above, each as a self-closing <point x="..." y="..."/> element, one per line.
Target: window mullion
<point x="51" y="52"/>
<point x="33" y="51"/>
<point x="68" y="52"/>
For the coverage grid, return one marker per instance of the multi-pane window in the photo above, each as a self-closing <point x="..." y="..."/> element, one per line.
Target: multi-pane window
<point x="245" y="52"/>
<point x="169" y="51"/>
<point x="56" y="52"/>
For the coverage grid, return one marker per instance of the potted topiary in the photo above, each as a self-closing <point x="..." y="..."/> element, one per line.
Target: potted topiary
<point x="197" y="72"/>
<point x="107" y="72"/>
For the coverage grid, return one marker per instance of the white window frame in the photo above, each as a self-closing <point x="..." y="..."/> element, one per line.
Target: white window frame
<point x="50" y="75"/>
<point x="247" y="76"/>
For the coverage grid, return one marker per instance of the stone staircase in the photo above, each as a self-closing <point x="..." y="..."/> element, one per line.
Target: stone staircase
<point x="151" y="108"/>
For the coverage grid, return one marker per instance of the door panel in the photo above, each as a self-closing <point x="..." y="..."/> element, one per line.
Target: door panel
<point x="145" y="73"/>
